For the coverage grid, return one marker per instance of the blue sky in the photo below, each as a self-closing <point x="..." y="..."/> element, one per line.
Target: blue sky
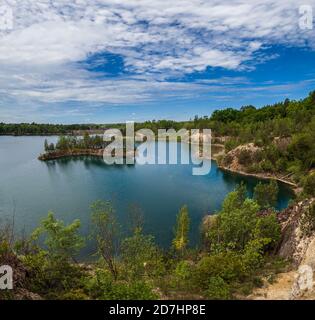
<point x="105" y="61"/>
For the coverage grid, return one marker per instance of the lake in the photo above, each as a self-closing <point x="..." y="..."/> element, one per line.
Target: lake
<point x="30" y="188"/>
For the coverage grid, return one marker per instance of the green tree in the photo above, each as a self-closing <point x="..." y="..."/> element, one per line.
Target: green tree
<point x="217" y="289"/>
<point x="106" y="232"/>
<point x="86" y="139"/>
<point x="266" y="195"/>
<point x="309" y="185"/>
<point x="63" y="143"/>
<point x="52" y="271"/>
<point x="181" y="231"/>
<point x="62" y="241"/>
<point x="140" y="256"/>
<point x="238" y="223"/>
<point x="46" y="146"/>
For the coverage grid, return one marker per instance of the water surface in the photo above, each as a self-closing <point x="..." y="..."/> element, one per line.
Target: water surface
<point x="30" y="188"/>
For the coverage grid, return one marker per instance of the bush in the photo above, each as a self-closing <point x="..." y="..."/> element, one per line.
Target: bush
<point x="140" y="256"/>
<point x="226" y="265"/>
<point x="266" y="195"/>
<point x="231" y="144"/>
<point x="245" y="157"/>
<point x="267" y="166"/>
<point x="217" y="289"/>
<point x="51" y="278"/>
<point x="103" y="286"/>
<point x="309" y="185"/>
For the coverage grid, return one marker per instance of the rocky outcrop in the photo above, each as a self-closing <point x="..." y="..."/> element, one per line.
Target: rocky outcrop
<point x="296" y="244"/>
<point x="241" y="159"/>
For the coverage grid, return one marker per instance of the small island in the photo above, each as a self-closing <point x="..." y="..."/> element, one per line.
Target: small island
<point x="73" y="146"/>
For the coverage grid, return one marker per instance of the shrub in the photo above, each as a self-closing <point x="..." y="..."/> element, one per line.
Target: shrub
<point x="103" y="286"/>
<point x="267" y="166"/>
<point x="266" y="195"/>
<point x="226" y="265"/>
<point x="231" y="144"/>
<point x="309" y="185"/>
<point x="140" y="256"/>
<point x="217" y="289"/>
<point x="244" y="157"/>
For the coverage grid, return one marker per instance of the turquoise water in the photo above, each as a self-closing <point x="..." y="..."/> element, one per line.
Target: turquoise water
<point x="30" y="188"/>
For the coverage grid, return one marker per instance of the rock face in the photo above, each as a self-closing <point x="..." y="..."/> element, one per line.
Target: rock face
<point x="295" y="244"/>
<point x="232" y="158"/>
<point x="298" y="245"/>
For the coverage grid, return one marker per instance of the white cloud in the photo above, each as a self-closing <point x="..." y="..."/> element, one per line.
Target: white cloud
<point x="157" y="40"/>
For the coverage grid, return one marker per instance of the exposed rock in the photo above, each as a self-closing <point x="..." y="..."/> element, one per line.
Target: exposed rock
<point x="294" y="243"/>
<point x="298" y="247"/>
<point x="23" y="294"/>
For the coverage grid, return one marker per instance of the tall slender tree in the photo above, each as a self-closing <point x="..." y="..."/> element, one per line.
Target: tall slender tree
<point x="181" y="231"/>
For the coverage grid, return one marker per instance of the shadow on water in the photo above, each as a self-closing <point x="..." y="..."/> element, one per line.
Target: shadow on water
<point x="87" y="161"/>
<point x="285" y="192"/>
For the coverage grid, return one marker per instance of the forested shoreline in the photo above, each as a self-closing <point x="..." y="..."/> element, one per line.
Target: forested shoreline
<point x="240" y="244"/>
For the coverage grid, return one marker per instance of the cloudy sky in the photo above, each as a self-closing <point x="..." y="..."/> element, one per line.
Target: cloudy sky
<point x="117" y="60"/>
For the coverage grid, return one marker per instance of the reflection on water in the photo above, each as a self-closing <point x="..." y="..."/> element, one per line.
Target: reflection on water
<point x="68" y="186"/>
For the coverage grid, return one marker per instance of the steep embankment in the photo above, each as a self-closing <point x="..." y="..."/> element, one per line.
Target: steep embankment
<point x="297" y="245"/>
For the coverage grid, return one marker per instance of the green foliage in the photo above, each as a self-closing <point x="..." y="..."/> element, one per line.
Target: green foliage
<point x="266" y="195"/>
<point x="302" y="148"/>
<point x="309" y="185"/>
<point x="237" y="238"/>
<point x="106" y="233"/>
<point x="102" y="286"/>
<point x="46" y="145"/>
<point x="244" y="157"/>
<point x="231" y="144"/>
<point x="65" y="143"/>
<point x="49" y="277"/>
<point x="45" y="129"/>
<point x="181" y="276"/>
<point x="141" y="257"/>
<point x="268" y="227"/>
<point x="183" y="270"/>
<point x="226" y="265"/>
<point x="53" y="271"/>
<point x="63" y="242"/>
<point x="217" y="289"/>
<point x="253" y="253"/>
<point x="238" y="223"/>
<point x="181" y="240"/>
